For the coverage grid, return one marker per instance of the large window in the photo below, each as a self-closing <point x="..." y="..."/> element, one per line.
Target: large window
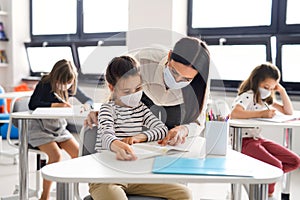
<point x="265" y="30"/>
<point x="75" y="30"/>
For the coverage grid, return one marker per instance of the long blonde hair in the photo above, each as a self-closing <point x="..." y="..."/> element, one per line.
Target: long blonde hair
<point x="62" y="73"/>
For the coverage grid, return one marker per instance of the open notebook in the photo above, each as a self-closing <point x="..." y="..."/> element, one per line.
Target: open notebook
<point x="60" y="111"/>
<point x="199" y="166"/>
<point x="279" y="117"/>
<point x="152" y="149"/>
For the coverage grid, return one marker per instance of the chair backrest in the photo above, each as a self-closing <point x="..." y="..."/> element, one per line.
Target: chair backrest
<point x="20" y="105"/>
<point x="87" y="141"/>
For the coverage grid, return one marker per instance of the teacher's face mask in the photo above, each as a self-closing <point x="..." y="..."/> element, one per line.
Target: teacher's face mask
<point x="264" y="93"/>
<point x="132" y="100"/>
<point x="171" y="82"/>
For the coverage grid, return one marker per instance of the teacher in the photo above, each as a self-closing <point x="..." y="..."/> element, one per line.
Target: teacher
<point x="175" y="87"/>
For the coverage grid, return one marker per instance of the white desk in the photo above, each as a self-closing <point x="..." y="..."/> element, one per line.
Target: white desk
<point x="15" y="95"/>
<point x="239" y="124"/>
<point x="24" y="117"/>
<point x="106" y="169"/>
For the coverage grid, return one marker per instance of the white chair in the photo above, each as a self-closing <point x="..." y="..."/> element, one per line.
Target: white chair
<point x="4" y="122"/>
<point x="87" y="146"/>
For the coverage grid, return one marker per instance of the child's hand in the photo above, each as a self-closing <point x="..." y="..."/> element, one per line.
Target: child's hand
<point x="129" y="140"/>
<point x="135" y="139"/>
<point x="268" y="113"/>
<point x="123" y="151"/>
<point x="61" y="105"/>
<point x="85" y="108"/>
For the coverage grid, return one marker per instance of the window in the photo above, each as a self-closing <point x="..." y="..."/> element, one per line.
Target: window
<point x="290" y="61"/>
<point x="94" y="59"/>
<point x="75" y="20"/>
<point x="97" y="12"/>
<point x="74" y="29"/>
<point x="50" y="19"/>
<point x="235" y="62"/>
<point x="234" y="13"/>
<point x="230" y="17"/>
<point x="232" y="59"/>
<point x="42" y="59"/>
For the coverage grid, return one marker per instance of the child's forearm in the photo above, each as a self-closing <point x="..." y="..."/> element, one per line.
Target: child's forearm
<point x="246" y="114"/>
<point x="287" y="107"/>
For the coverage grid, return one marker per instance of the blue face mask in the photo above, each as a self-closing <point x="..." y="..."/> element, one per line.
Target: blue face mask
<point x="171" y="82"/>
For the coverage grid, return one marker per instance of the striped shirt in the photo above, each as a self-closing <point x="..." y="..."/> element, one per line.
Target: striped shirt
<point x="116" y="122"/>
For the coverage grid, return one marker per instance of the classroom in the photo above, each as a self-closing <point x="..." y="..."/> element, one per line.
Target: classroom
<point x="239" y="35"/>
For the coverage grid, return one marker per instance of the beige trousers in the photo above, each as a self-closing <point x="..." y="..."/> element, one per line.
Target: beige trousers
<point x="118" y="191"/>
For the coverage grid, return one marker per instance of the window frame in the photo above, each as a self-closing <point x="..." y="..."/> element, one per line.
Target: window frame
<point x="79" y="35"/>
<point x="291" y="87"/>
<point x="233" y="30"/>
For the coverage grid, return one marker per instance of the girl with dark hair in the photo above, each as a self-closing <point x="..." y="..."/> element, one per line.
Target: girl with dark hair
<point x="256" y="99"/>
<point x="121" y="123"/>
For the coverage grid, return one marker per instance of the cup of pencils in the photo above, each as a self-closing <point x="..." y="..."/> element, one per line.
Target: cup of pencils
<point x="216" y="133"/>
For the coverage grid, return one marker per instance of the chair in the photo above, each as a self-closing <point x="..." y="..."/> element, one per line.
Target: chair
<point x="86" y="147"/>
<point x="4" y="122"/>
<point x="18" y="105"/>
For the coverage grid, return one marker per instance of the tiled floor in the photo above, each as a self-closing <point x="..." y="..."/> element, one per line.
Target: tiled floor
<point x="9" y="178"/>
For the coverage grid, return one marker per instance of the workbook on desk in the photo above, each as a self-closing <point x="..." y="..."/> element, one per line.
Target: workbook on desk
<point x="152" y="149"/>
<point x="279" y="117"/>
<point x="59" y="111"/>
<point x="219" y="166"/>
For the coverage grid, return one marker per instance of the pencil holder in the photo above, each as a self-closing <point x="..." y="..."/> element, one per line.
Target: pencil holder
<point x="216" y="135"/>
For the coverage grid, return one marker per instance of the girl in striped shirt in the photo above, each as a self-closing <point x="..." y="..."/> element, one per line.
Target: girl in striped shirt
<point x="125" y="120"/>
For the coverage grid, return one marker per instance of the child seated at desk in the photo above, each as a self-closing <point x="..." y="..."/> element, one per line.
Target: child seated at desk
<point x="256" y="99"/>
<point x="120" y="123"/>
<point x="50" y="135"/>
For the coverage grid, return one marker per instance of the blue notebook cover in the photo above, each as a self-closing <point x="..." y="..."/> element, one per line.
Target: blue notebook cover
<point x="199" y="166"/>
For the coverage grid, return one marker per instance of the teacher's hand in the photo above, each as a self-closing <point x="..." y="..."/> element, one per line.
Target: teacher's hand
<point x="175" y="136"/>
<point x="91" y="119"/>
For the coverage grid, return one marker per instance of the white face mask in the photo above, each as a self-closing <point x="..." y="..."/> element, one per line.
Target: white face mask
<point x="264" y="93"/>
<point x="64" y="87"/>
<point x="132" y="100"/>
<point x="171" y="82"/>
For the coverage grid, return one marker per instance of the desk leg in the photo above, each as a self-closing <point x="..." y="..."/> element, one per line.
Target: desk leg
<point x="64" y="191"/>
<point x="23" y="159"/>
<point x="287" y="142"/>
<point x="258" y="192"/>
<point x="236" y="189"/>
<point x="237" y="139"/>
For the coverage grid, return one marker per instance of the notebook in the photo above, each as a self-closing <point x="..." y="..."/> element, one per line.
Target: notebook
<point x="279" y="117"/>
<point x="220" y="166"/>
<point x="60" y="111"/>
<point x="152" y="149"/>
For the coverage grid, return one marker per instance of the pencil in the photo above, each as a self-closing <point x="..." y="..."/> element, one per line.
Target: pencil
<point x="59" y="98"/>
<point x="267" y="105"/>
